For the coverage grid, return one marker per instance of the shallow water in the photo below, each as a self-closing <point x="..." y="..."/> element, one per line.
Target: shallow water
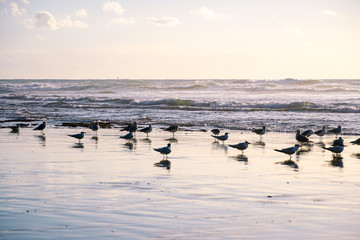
<point x="109" y="188"/>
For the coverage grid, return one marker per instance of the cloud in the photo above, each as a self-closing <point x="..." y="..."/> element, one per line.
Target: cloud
<point x="81" y="13"/>
<point x="209" y="14"/>
<point x="329" y="12"/>
<point x="163" y="21"/>
<point x="122" y="21"/>
<point x="43" y="20"/>
<point x="15" y="10"/>
<point x="292" y="31"/>
<point x="26" y="1"/>
<point x="68" y="22"/>
<point x="114" y="7"/>
<point x="39" y="37"/>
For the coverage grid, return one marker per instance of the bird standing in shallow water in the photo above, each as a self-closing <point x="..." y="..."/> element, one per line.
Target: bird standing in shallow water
<point x="222" y="137"/>
<point x="78" y="136"/>
<point x="146" y="130"/>
<point x="289" y="151"/>
<point x="300" y="138"/>
<point x="241" y="146"/>
<point x="41" y="127"/>
<point x="164" y="150"/>
<point x="173" y="129"/>
<point x="95" y="127"/>
<point x="259" y="131"/>
<point x="357" y="142"/>
<point x="335" y="149"/>
<point x="15" y="129"/>
<point x="321" y="132"/>
<point x="215" y="131"/>
<point x="336" y="131"/>
<point x="128" y="136"/>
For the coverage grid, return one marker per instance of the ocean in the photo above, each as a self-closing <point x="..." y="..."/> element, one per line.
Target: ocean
<point x="281" y="105"/>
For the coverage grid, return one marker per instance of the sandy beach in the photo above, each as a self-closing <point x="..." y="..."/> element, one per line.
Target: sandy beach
<point x="109" y="188"/>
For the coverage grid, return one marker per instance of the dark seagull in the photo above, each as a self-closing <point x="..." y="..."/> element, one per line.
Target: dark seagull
<point x="289" y="151"/>
<point x="78" y="136"/>
<point x="173" y="129"/>
<point x="146" y="130"/>
<point x="241" y="146"/>
<point x="164" y="150"/>
<point x="41" y="127"/>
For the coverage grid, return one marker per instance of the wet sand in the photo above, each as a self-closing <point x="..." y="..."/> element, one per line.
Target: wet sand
<point x="108" y="188"/>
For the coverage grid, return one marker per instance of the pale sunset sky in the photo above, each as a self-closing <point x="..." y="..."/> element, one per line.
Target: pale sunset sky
<point x="165" y="39"/>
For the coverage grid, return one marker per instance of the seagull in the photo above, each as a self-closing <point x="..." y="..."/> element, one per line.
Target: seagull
<point x="338" y="142"/>
<point x="335" y="149"/>
<point x="307" y="133"/>
<point x="289" y="151"/>
<point x="357" y="141"/>
<point x="222" y="137"/>
<point x="78" y="136"/>
<point x="321" y="132"/>
<point x="130" y="127"/>
<point x="173" y="129"/>
<point x="128" y="136"/>
<point x="41" y="127"/>
<point x="215" y="131"/>
<point x="146" y="130"/>
<point x="164" y="150"/>
<point x="259" y="131"/>
<point x="300" y="138"/>
<point x="335" y="131"/>
<point x="241" y="146"/>
<point x="95" y="127"/>
<point x="15" y="129"/>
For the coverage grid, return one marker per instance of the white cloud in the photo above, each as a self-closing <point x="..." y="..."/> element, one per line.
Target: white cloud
<point x="81" y="13"/>
<point x="15" y="10"/>
<point x="122" y="21"/>
<point x="26" y="1"/>
<point x="114" y="7"/>
<point x="68" y="22"/>
<point x="163" y="21"/>
<point x="43" y="20"/>
<point x="329" y="12"/>
<point x="210" y="14"/>
<point x="292" y="31"/>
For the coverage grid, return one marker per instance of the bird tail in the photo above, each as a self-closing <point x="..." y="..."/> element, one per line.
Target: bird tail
<point x="277" y="150"/>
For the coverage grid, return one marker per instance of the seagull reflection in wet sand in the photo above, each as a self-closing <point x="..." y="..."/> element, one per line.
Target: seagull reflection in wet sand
<point x="337" y="161"/>
<point x="163" y="163"/>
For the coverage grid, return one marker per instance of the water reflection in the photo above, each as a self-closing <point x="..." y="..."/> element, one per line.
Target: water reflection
<point x="164" y="164"/>
<point x="290" y="163"/>
<point x="172" y="140"/>
<point x="217" y="145"/>
<point x="356" y="155"/>
<point x="95" y="138"/>
<point x="260" y="144"/>
<point x="79" y="145"/>
<point x="241" y="158"/>
<point x="131" y="144"/>
<point x="337" y="161"/>
<point x="42" y="139"/>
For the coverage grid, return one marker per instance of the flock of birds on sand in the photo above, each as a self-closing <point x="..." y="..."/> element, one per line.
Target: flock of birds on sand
<point x="303" y="138"/>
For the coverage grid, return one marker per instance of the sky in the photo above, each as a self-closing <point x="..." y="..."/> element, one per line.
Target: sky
<point x="179" y="39"/>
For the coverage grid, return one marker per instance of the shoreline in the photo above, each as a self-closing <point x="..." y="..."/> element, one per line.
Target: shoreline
<point x="109" y="187"/>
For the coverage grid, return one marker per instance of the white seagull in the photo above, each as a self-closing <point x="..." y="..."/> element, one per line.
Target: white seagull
<point x="78" y="136"/>
<point x="289" y="151"/>
<point x="164" y="150"/>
